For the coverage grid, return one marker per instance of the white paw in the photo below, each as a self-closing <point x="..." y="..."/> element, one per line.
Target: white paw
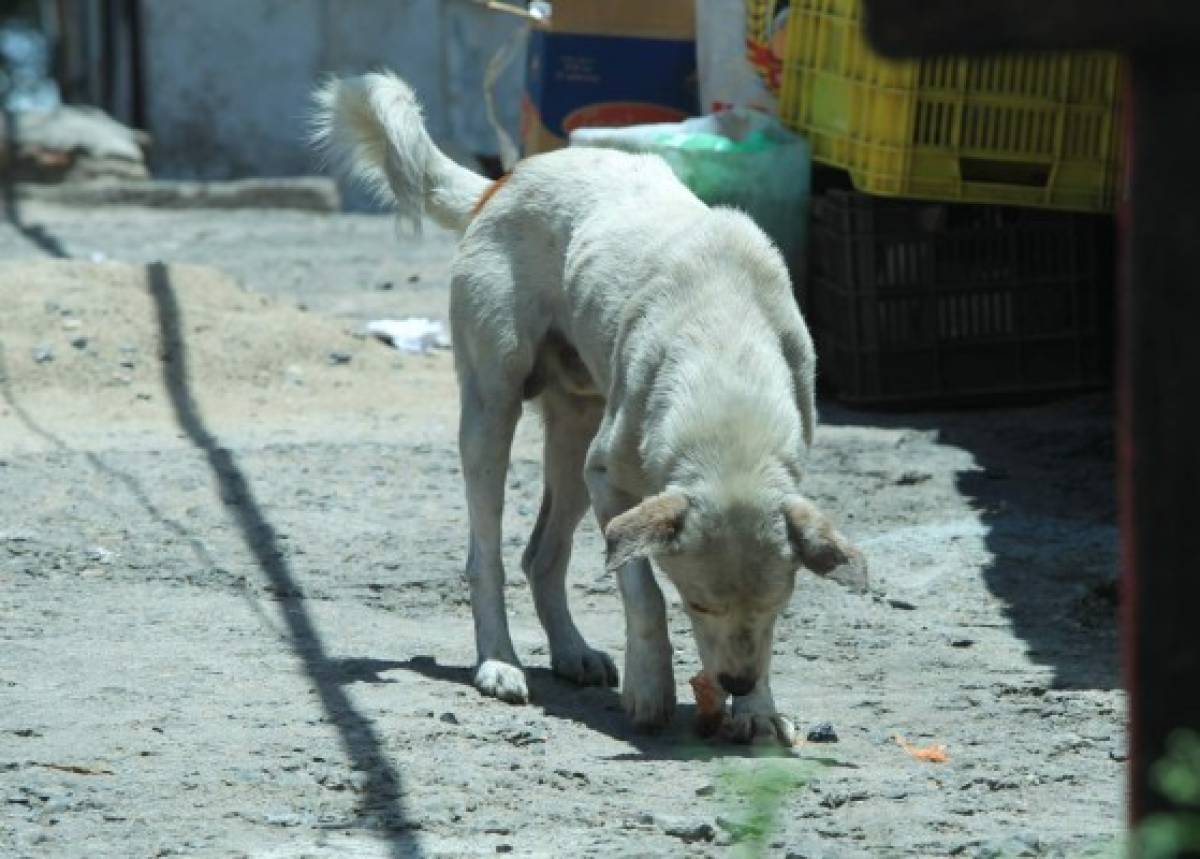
<point x="649" y="692"/>
<point x="501" y="680"/>
<point x="749" y="728"/>
<point x="585" y="666"/>
<point x="755" y="721"/>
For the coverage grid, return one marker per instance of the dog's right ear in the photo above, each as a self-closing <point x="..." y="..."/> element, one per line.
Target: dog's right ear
<point x="646" y="530"/>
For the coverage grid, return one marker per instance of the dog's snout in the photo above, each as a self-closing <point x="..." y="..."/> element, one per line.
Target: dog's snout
<point x="740" y="685"/>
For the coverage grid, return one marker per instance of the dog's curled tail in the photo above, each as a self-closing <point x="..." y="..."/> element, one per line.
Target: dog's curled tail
<point x="371" y="127"/>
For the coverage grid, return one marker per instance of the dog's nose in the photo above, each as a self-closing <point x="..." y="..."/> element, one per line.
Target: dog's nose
<point x="736" y="685"/>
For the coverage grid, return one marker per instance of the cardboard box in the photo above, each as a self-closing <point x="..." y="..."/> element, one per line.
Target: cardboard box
<point x="608" y="63"/>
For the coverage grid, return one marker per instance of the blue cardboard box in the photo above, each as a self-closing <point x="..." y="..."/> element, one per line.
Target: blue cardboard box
<point x="608" y="63"/>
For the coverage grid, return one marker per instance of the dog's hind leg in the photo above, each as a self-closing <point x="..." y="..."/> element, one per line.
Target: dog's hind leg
<point x="486" y="429"/>
<point x="570" y="423"/>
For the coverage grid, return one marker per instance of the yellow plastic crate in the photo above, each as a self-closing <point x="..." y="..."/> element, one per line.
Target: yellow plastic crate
<point x="1028" y="129"/>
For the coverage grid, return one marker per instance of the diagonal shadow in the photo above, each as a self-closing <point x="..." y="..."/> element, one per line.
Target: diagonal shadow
<point x="1043" y="490"/>
<point x="8" y="188"/>
<point x="381" y="795"/>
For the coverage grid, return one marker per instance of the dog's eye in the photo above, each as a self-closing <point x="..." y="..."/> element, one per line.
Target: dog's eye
<point x="699" y="609"/>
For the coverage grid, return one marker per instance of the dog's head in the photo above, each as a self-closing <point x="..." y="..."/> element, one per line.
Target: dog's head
<point x="735" y="567"/>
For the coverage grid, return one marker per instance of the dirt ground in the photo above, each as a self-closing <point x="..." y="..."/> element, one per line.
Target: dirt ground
<point x="234" y="623"/>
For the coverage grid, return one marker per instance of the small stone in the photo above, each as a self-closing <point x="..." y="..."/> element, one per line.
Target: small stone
<point x="912" y="478"/>
<point x="521" y="737"/>
<point x="706" y="790"/>
<point x="736" y="830"/>
<point x="72" y="324"/>
<point x="962" y="642"/>
<point x="414" y="278"/>
<point x="285" y="819"/>
<point x="903" y="605"/>
<point x="837" y="800"/>
<point x="386" y="286"/>
<point x="99" y="553"/>
<point x="58" y="805"/>
<point x="822" y="733"/>
<point x="690" y="833"/>
<point x="43" y="354"/>
<point x="504" y="848"/>
<point x="1022" y="844"/>
<point x="338" y="358"/>
<point x="79" y="342"/>
<point x="448" y="718"/>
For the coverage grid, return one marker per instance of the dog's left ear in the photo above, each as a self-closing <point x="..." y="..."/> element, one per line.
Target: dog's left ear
<point x="822" y="548"/>
<point x="646" y="530"/>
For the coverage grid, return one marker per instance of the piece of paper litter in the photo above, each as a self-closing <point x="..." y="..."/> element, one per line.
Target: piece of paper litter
<point x="411" y="334"/>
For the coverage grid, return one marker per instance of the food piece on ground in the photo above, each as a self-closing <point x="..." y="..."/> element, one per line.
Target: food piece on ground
<point x="934" y="754"/>
<point x="710" y="705"/>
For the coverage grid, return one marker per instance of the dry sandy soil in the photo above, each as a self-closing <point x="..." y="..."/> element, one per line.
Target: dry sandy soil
<point x="233" y="621"/>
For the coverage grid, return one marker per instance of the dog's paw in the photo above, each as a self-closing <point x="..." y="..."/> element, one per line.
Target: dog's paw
<point x="756" y="721"/>
<point x="500" y="680"/>
<point x="649" y="692"/>
<point x="649" y="711"/>
<point x="758" y="728"/>
<point x="585" y="666"/>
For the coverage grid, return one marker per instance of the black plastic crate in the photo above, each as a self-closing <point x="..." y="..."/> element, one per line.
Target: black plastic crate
<point x="914" y="302"/>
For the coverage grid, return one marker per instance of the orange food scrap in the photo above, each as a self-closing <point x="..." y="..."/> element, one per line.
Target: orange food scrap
<point x="935" y="754"/>
<point x="710" y="704"/>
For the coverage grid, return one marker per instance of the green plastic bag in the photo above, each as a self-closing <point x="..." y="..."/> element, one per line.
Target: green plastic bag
<point x="740" y="158"/>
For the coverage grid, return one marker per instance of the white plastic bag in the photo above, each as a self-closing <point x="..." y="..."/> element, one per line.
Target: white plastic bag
<point x="740" y="158"/>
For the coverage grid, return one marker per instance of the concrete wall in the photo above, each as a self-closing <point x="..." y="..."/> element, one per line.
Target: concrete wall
<point x="228" y="81"/>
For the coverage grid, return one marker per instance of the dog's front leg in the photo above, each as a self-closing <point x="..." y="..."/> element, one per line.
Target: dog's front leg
<point x="755" y="718"/>
<point x="649" y="690"/>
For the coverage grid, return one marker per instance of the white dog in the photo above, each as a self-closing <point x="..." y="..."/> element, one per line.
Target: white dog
<point x="675" y="377"/>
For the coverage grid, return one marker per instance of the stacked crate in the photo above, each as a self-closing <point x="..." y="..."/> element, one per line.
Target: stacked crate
<point x="973" y="256"/>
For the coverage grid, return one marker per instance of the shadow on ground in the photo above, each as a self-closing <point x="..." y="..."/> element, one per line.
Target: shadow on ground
<point x="1043" y="487"/>
<point x="599" y="710"/>
<point x="381" y="805"/>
